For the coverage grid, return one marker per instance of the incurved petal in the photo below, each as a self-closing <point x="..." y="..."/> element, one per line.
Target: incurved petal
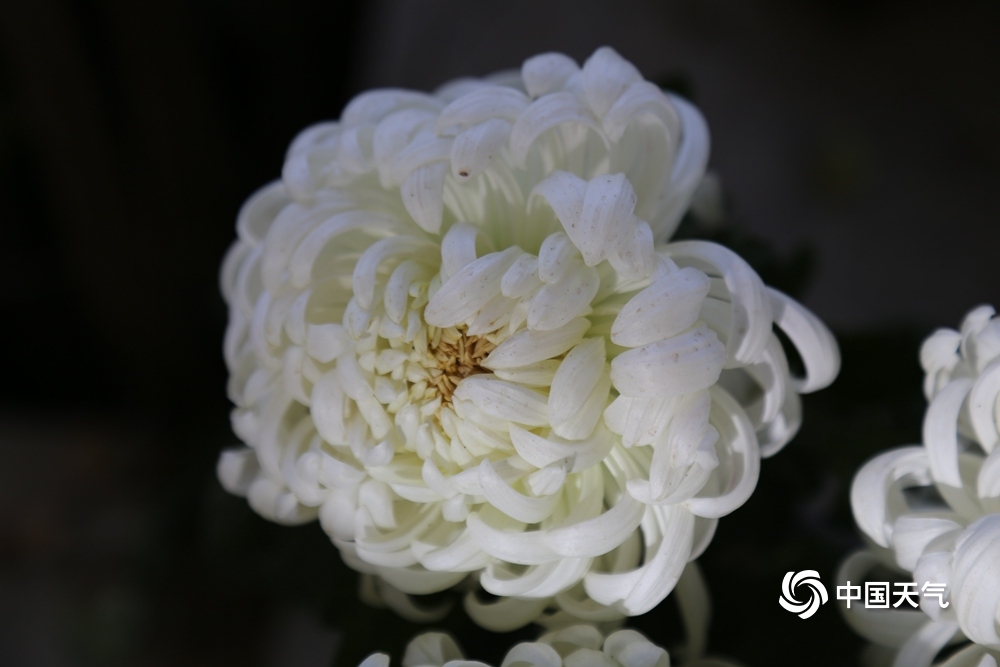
<point x="736" y="434"/>
<point x="679" y="365"/>
<point x="750" y="302"/>
<point x="872" y="483"/>
<point x="471" y="288"/>
<point x="941" y="432"/>
<point x="544" y="114"/>
<point x="816" y="345"/>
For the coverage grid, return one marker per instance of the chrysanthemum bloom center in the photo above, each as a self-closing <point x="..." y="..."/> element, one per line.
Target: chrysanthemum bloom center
<point x="457" y="355"/>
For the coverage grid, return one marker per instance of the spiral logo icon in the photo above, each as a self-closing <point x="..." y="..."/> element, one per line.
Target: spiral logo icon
<point x="817" y="596"/>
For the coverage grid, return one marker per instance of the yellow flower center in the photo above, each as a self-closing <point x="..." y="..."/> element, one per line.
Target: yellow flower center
<point x="455" y="355"/>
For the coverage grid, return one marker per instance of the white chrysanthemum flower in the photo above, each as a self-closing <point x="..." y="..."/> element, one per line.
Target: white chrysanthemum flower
<point x="459" y="337"/>
<point x="573" y="646"/>
<point x="934" y="510"/>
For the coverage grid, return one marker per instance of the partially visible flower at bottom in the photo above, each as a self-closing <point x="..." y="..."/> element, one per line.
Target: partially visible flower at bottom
<point x="572" y="646"/>
<point x="932" y="512"/>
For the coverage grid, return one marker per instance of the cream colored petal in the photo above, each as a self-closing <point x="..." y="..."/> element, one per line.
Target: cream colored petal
<point x="468" y="290"/>
<point x="557" y="304"/>
<point x="504" y="400"/>
<point x="671" y="367"/>
<point x="665" y="308"/>
<point x="527" y="347"/>
<point x="482" y="105"/>
<point x="423" y="195"/>
<point x="546" y="73"/>
<point x="544" y="114"/>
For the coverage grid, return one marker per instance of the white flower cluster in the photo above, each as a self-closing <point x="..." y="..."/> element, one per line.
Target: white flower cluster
<point x="574" y="646"/>
<point x="459" y="337"/>
<point x="933" y="511"/>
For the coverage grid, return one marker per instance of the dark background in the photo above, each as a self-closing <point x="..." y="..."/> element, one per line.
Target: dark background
<point x="858" y="143"/>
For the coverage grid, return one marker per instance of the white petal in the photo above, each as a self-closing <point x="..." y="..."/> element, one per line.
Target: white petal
<point x="484" y="104"/>
<point x="276" y="503"/>
<point x="816" y="345"/>
<point x="688" y="427"/>
<point x="236" y="469"/>
<point x="599" y="535"/>
<point x="504" y="615"/>
<point x="460" y="555"/>
<point x="556" y="257"/>
<point x="921" y="648"/>
<point x="547" y="73"/>
<point x="259" y="211"/>
<point x="468" y="290"/>
<point x="984" y="406"/>
<point x="751" y="316"/>
<point x="565" y="193"/>
<point x="975" y="588"/>
<point x="638" y="591"/>
<point x="304" y="259"/>
<point x="678" y="365"/>
<point x="737" y="436"/>
<point x="544" y="114"/>
<point x="504" y="400"/>
<point x="366" y="270"/>
<point x="431" y="648"/>
<point x="397" y="290"/>
<point x="527" y="347"/>
<point x="495" y="314"/>
<point x="606" y="217"/>
<point x="537" y="581"/>
<point x="460" y="247"/>
<point x="871" y="484"/>
<point x="328" y="408"/>
<point x="912" y="533"/>
<point x="689" y="166"/>
<point x="521" y="278"/>
<point x="941" y="432"/>
<point x="476" y="147"/>
<point x="543" y="451"/>
<point x="417" y="581"/>
<point x="665" y="308"/>
<point x="988" y="484"/>
<point x="559" y="303"/>
<point x="581" y="425"/>
<point x="538" y="374"/>
<point x="548" y="480"/>
<point x="606" y="75"/>
<point x="647" y="418"/>
<point x="573" y="383"/>
<point x="426" y="148"/>
<point x="423" y="195"/>
<point x="940" y="350"/>
<point x="504" y="538"/>
<point x="640" y="98"/>
<point x="634" y="257"/>
<point x="373" y="105"/>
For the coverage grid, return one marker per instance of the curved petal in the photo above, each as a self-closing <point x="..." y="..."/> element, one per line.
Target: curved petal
<point x="941" y="432"/>
<point x="872" y="483"/>
<point x="679" y="365"/>
<point x="750" y="302"/>
<point x="736" y="434"/>
<point x="545" y="113"/>
<point x="814" y="342"/>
